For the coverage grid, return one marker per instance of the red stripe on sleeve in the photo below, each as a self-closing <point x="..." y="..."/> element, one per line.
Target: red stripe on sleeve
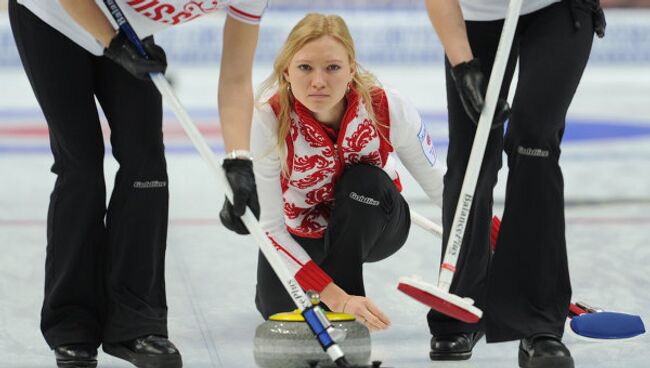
<point x="310" y="276"/>
<point x="283" y="250"/>
<point x="244" y="14"/>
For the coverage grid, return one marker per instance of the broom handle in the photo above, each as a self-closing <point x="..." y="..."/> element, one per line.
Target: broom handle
<point x="461" y="215"/>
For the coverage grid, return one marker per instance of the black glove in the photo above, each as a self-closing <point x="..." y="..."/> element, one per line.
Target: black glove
<point x="599" y="21"/>
<point x="242" y="181"/>
<point x="471" y="86"/>
<point x="597" y="15"/>
<point x="124" y="53"/>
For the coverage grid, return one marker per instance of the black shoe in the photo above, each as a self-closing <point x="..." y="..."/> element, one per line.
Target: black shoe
<point x="146" y="352"/>
<point x="544" y="351"/>
<point x="76" y="356"/>
<point x="454" y="347"/>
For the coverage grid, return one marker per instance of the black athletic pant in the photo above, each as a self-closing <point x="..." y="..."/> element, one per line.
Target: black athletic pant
<point x="104" y="280"/>
<point x="524" y="288"/>
<point x="358" y="232"/>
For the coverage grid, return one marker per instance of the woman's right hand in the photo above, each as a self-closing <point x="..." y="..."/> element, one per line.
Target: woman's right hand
<point x="366" y="312"/>
<point x="472" y="87"/>
<point x="361" y="307"/>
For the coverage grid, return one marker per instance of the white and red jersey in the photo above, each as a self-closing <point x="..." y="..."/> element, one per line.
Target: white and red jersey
<point x="145" y="16"/>
<point x="315" y="160"/>
<point x="300" y="200"/>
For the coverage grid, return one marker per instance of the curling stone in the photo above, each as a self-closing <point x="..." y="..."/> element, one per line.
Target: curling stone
<point x="286" y="341"/>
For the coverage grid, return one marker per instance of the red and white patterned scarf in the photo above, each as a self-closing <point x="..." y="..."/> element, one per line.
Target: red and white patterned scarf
<point x="315" y="162"/>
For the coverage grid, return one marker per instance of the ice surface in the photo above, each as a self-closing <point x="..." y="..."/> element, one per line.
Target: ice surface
<point x="211" y="272"/>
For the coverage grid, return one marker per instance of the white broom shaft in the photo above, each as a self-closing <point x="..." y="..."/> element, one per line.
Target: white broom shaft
<point x="426" y="224"/>
<point x="271" y="254"/>
<point x="472" y="172"/>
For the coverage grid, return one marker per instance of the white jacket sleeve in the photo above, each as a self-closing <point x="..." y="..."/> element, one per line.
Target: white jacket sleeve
<point x="250" y="11"/>
<point x="413" y="145"/>
<point x="267" y="170"/>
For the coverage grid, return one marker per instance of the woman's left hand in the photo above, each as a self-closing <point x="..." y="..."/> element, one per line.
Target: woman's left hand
<point x="239" y="173"/>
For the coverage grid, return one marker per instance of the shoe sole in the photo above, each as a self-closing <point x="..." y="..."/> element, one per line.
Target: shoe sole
<point x="144" y="360"/>
<point x="76" y="363"/>
<point x="544" y="362"/>
<point x="450" y="356"/>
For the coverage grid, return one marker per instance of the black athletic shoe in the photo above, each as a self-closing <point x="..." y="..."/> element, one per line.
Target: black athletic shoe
<point x="146" y="352"/>
<point x="76" y="356"/>
<point x="454" y="347"/>
<point x="544" y="351"/>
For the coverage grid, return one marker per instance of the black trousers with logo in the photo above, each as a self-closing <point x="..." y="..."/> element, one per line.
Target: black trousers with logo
<point x="104" y="268"/>
<point x="524" y="288"/>
<point x="360" y="230"/>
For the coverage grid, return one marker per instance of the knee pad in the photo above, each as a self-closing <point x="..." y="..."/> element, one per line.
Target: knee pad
<point x="367" y="185"/>
<point x="367" y="180"/>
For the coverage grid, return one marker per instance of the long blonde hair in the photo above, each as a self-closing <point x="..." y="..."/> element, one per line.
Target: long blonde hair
<point x="310" y="28"/>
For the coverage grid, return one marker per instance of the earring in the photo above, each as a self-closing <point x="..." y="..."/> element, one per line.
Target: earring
<point x="348" y="89"/>
<point x="289" y="87"/>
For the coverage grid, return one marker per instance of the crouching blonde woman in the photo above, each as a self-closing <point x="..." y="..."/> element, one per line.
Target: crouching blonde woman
<point x="329" y="191"/>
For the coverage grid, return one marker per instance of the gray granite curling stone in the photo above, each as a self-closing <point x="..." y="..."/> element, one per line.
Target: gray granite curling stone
<point x="286" y="341"/>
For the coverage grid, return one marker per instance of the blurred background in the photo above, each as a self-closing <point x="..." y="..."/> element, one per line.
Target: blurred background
<point x="210" y="271"/>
